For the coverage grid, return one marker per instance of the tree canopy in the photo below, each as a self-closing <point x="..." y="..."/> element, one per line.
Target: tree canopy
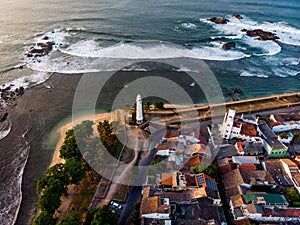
<point x="158" y="104"/>
<point x="105" y="216"/>
<point x="70" y="148"/>
<point x="45" y="218"/>
<point x="108" y="137"/>
<point x="72" y="218"/>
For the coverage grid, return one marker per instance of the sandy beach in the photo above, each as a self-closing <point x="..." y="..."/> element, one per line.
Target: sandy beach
<point x="38" y="114"/>
<point x="69" y="125"/>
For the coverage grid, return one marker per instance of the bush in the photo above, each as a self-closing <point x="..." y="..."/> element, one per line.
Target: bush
<point x="158" y="104"/>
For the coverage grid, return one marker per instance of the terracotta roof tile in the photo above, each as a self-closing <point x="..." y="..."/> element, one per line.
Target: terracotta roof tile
<point x="254" y="177"/>
<point x="232" y="178"/>
<point x="169" y="179"/>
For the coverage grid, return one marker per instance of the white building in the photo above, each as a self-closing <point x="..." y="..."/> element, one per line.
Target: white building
<point x="139" y="109"/>
<point x="227" y="126"/>
<point x="231" y="130"/>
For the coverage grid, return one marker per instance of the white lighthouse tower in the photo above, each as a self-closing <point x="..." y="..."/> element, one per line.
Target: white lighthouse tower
<point x="139" y="109"/>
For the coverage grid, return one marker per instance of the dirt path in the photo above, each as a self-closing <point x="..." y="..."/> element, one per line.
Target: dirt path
<point x="123" y="175"/>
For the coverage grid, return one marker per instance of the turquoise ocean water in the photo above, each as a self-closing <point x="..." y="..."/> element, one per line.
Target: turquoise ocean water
<point x="114" y="31"/>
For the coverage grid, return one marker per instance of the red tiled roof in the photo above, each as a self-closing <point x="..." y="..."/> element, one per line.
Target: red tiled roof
<point x="168" y="179"/>
<point x="248" y="129"/>
<point x="289" y="212"/>
<point x="193" y="161"/>
<point x="247" y="166"/>
<point x="240" y="146"/>
<point x="152" y="204"/>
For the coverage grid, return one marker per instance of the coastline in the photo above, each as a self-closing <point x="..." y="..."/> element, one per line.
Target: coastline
<point x="69" y="125"/>
<point x="38" y="112"/>
<point x="40" y="109"/>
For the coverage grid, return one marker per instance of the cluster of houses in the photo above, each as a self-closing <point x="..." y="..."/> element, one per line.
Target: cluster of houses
<point x="257" y="173"/>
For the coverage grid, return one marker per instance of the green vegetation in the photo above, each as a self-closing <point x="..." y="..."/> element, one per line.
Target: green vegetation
<point x="146" y="106"/>
<point x="55" y="183"/>
<point x="45" y="218"/>
<point x="211" y="170"/>
<point x="283" y="135"/>
<point x="108" y="137"/>
<point x="102" y="216"/>
<point x="292" y="195"/>
<point x="158" y="105"/>
<point x="72" y="218"/>
<point x="135" y="215"/>
<point x="296" y="138"/>
<point x="77" y="171"/>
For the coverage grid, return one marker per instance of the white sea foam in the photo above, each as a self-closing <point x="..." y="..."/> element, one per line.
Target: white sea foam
<point x="185" y="69"/>
<point x="287" y="34"/>
<point x="150" y="51"/>
<point x="285" y="72"/>
<point x="26" y="81"/>
<point x="267" y="47"/>
<point x="291" y="61"/>
<point x="189" y="25"/>
<point x="9" y="212"/>
<point x="218" y="54"/>
<point x="252" y="74"/>
<point x="57" y="36"/>
<point x="239" y="36"/>
<point x="88" y="56"/>
<point x="4" y="133"/>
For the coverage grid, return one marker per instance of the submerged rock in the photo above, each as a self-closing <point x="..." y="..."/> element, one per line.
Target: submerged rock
<point x="263" y="35"/>
<point x="237" y="90"/>
<point x="238" y="16"/>
<point x="228" y="45"/>
<point x="218" y="20"/>
<point x="43" y="47"/>
<point x="45" y="38"/>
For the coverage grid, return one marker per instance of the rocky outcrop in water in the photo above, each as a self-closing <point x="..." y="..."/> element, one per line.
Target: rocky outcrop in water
<point x="238" y="16"/>
<point x="218" y="20"/>
<point x="262" y="35"/>
<point x="43" y="47"/>
<point x="228" y="45"/>
<point x="237" y="90"/>
<point x="9" y="95"/>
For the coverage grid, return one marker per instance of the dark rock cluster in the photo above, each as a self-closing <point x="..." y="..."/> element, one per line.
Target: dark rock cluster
<point x="9" y="96"/>
<point x="218" y="20"/>
<point x="229" y="45"/>
<point x="41" y="48"/>
<point x="262" y="35"/>
<point x="237" y="16"/>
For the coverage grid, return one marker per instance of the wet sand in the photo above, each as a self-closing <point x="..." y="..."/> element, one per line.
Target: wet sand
<point x="69" y="125"/>
<point x="39" y="111"/>
<point x="42" y="108"/>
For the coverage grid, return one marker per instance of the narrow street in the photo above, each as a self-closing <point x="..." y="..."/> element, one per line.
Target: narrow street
<point x="135" y="193"/>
